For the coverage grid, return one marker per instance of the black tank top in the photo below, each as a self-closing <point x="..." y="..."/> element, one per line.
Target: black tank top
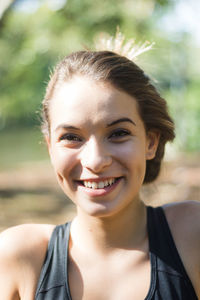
<point x="169" y="279"/>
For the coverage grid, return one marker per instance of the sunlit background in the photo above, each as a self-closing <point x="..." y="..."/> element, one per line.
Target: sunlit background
<point x="34" y="35"/>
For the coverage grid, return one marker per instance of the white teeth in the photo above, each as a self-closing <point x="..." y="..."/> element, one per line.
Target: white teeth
<point x="86" y="183"/>
<point x="101" y="185"/>
<point x="94" y="185"/>
<point x="106" y="183"/>
<point x="98" y="185"/>
<point x="89" y="184"/>
<point x="110" y="181"/>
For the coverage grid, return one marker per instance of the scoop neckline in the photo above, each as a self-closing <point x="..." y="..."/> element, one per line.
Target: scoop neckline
<point x="152" y="259"/>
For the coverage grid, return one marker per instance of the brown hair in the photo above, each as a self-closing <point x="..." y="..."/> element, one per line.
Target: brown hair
<point x="125" y="75"/>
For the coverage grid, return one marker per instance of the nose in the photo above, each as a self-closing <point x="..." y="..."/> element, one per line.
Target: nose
<point x="95" y="156"/>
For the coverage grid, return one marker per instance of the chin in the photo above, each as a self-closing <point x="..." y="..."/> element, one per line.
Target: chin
<point x="99" y="210"/>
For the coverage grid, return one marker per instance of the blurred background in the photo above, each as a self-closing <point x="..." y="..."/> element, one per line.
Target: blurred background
<point x="34" y="36"/>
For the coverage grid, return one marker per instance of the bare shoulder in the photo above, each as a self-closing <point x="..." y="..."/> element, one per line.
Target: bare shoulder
<point x="22" y="252"/>
<point x="184" y="223"/>
<point x="185" y="216"/>
<point x="19" y="240"/>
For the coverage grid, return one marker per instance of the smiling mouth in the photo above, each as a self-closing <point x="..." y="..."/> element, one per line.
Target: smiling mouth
<point x="100" y="184"/>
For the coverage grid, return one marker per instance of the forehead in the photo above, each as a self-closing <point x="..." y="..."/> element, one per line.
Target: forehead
<point x="82" y="98"/>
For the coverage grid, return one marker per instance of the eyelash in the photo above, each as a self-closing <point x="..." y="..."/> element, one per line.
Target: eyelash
<point x="70" y="137"/>
<point x="116" y="134"/>
<point x="119" y="133"/>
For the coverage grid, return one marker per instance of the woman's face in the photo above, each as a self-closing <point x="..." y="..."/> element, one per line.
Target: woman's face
<point x="98" y="146"/>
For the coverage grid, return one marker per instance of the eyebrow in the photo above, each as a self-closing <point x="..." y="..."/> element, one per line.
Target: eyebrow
<point x="121" y="120"/>
<point x="65" y="126"/>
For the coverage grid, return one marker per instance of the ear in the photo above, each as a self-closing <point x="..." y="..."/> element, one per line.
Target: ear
<point x="153" y="138"/>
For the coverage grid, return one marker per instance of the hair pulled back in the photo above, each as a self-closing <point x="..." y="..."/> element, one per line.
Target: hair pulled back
<point x="122" y="73"/>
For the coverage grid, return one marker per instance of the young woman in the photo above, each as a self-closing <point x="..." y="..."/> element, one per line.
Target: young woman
<point x="106" y="128"/>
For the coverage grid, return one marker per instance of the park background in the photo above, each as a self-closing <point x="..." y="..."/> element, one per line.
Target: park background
<point x="34" y="36"/>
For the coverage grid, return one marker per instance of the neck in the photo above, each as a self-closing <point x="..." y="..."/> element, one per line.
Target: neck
<point x="125" y="230"/>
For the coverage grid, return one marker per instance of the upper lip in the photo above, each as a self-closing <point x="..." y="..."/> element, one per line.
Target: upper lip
<point x="99" y="179"/>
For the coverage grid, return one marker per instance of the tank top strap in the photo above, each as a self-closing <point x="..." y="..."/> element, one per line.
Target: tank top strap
<point x="162" y="245"/>
<point x="54" y="270"/>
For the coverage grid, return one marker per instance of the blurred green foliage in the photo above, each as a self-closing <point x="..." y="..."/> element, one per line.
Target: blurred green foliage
<point x="32" y="42"/>
<point x="21" y="145"/>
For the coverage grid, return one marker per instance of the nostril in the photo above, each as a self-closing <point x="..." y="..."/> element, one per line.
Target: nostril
<point x="98" y="164"/>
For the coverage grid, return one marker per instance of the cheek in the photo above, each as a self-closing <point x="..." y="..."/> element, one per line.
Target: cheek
<point x="130" y="152"/>
<point x="132" y="157"/>
<point x="63" y="161"/>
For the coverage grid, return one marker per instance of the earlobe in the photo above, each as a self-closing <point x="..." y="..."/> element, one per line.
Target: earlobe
<point x="153" y="138"/>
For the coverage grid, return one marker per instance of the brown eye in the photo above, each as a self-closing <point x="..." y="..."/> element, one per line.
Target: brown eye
<point x="70" y="137"/>
<point x="119" y="133"/>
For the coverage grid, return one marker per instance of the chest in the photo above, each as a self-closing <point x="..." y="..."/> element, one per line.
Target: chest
<point x="103" y="280"/>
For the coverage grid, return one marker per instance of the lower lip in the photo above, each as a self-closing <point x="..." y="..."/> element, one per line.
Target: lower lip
<point x="99" y="192"/>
